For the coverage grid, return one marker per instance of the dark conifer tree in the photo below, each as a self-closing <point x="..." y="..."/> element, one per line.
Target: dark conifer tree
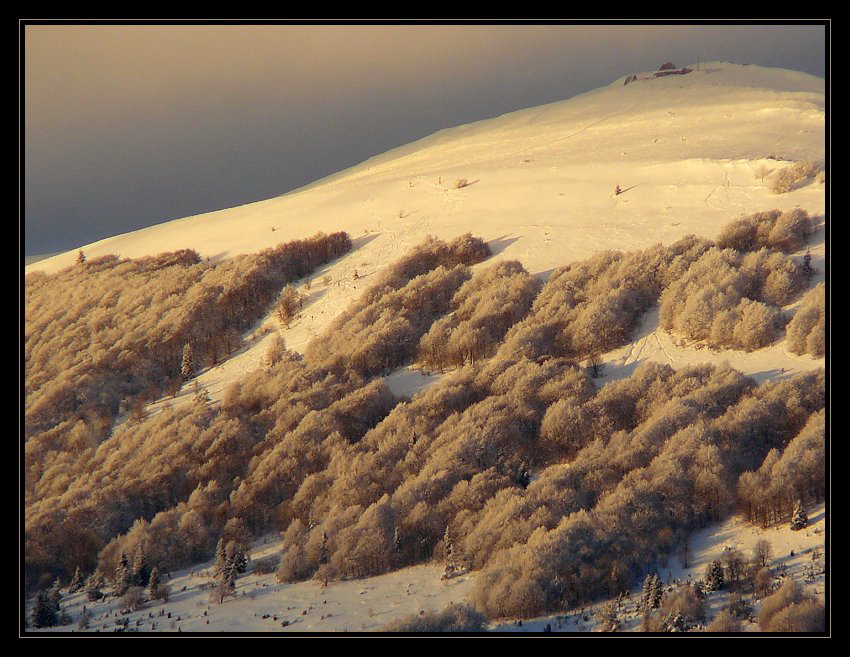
<point x="324" y="557"/>
<point x="656" y="592"/>
<point x="714" y="577"/>
<point x="44" y="611"/>
<point x="55" y="594"/>
<point x="397" y="540"/>
<point x="141" y="571"/>
<point x="645" y="589"/>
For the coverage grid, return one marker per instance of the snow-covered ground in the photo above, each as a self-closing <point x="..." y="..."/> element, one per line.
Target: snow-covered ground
<point x="692" y="152"/>
<point x="262" y="604"/>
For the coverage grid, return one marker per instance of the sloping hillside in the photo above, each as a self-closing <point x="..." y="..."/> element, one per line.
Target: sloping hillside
<point x="692" y="152"/>
<point x="596" y="376"/>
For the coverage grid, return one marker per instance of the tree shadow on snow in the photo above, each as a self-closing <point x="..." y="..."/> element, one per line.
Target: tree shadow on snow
<point x="363" y="240"/>
<point x="501" y="243"/>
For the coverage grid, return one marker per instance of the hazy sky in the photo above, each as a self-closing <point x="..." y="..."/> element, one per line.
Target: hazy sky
<point x="131" y="125"/>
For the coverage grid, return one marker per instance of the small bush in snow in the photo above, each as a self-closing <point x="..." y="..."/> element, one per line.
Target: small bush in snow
<point x="266" y="566"/>
<point x="456" y="618"/>
<point x="724" y="622"/>
<point x="794" y="176"/>
<point x="133" y="599"/>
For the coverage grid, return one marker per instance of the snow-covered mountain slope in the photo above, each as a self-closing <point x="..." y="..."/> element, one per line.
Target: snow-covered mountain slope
<point x="691" y="152"/>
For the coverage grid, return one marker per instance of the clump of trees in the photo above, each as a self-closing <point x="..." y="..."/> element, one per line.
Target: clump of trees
<point x="381" y="330"/>
<point x="781" y="231"/>
<point x="806" y="332"/>
<point x="481" y="312"/>
<point x="732" y="299"/>
<point x="109" y="334"/>
<point x="586" y="308"/>
<point x="646" y="512"/>
<point x="678" y="611"/>
<point x="288" y="304"/>
<point x="787" y="475"/>
<point x="725" y="622"/>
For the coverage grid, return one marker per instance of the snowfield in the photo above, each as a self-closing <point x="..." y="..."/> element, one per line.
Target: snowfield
<point x="690" y="152"/>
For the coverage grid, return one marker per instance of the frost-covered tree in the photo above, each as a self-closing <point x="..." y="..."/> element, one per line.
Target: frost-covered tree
<point x="157" y="589"/>
<point x="791" y="609"/>
<point x="220" y="558"/>
<point x="806" y="332"/>
<point x="725" y="622"/>
<point x="609" y="617"/>
<point x="652" y="592"/>
<point x="225" y="583"/>
<point x="133" y="598"/>
<point x="76" y="581"/>
<point x="762" y="552"/>
<point x="795" y="175"/>
<point x="55" y="594"/>
<point x="799" y="520"/>
<point x="453" y="565"/>
<point x="187" y="366"/>
<point x="734" y="563"/>
<point x="122" y="578"/>
<point x="287" y="306"/>
<point x="236" y="557"/>
<point x="201" y="396"/>
<point x="92" y="587"/>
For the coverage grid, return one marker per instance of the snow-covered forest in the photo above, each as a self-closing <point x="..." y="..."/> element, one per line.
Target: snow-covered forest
<point x="561" y="370"/>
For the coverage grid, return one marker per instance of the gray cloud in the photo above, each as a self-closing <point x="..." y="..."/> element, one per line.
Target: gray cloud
<point x="130" y="125"/>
